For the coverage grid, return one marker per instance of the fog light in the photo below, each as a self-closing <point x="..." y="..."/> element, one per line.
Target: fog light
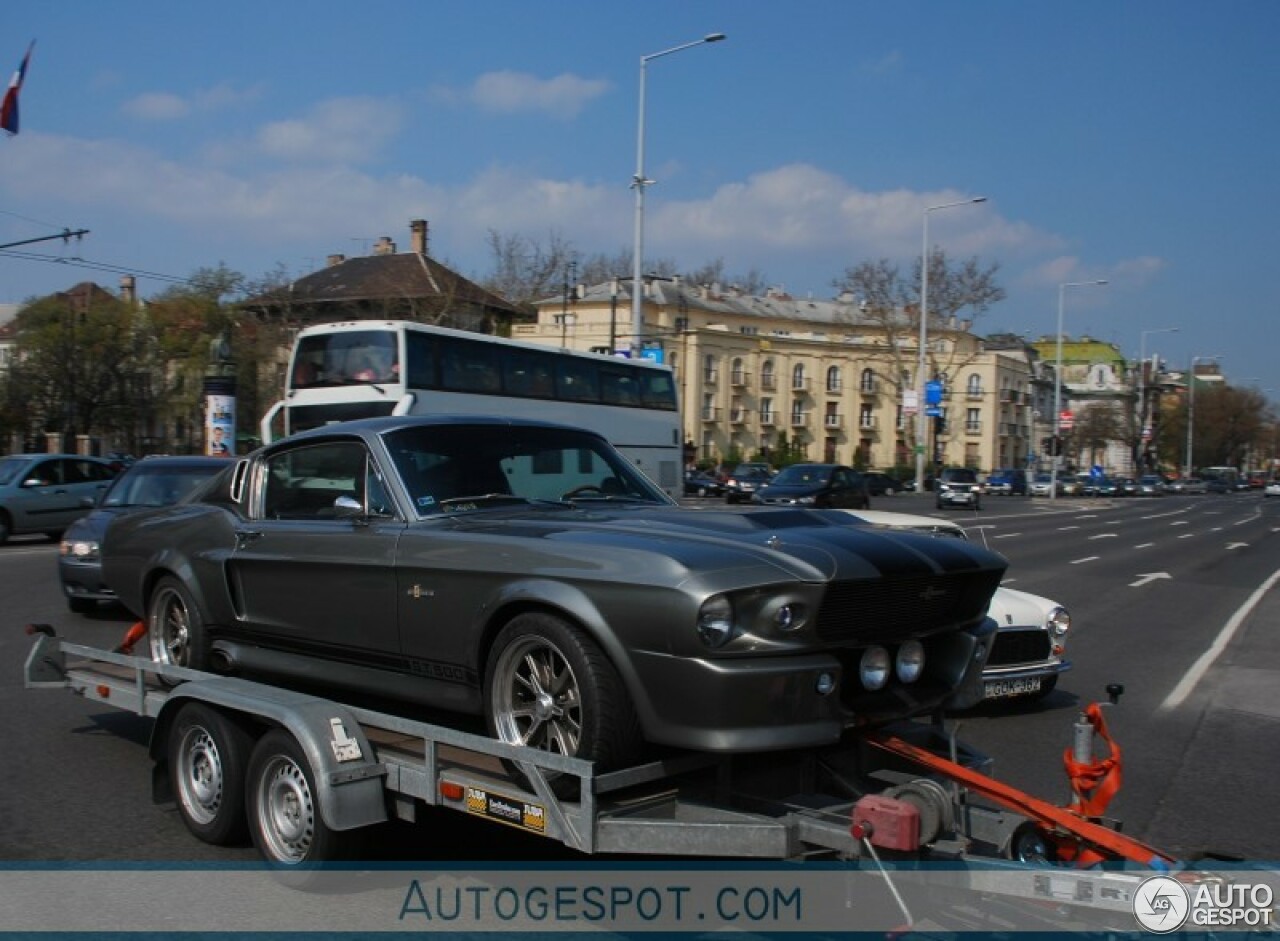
<point x="789" y="617"/>
<point x="873" y="670"/>
<point x="826" y="683"/>
<point x="910" y="661"/>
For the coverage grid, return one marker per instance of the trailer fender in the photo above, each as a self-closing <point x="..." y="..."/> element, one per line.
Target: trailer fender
<point x="348" y="778"/>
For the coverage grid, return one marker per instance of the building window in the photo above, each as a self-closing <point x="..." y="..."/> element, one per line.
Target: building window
<point x="833" y="379"/>
<point x="738" y="374"/>
<point x="797" y="412"/>
<point x="797" y="377"/>
<point x="866" y="418"/>
<point x="767" y="379"/>
<point x="975" y="385"/>
<point x="766" y="412"/>
<point x="973" y="420"/>
<point x="709" y="368"/>
<point x="868" y="381"/>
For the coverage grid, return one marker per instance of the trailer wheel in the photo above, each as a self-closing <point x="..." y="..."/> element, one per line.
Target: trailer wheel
<point x="284" y="818"/>
<point x="549" y="686"/>
<point x="175" y="628"/>
<point x="208" y="752"/>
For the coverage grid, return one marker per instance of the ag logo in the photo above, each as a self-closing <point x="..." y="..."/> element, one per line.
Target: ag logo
<point x="1161" y="904"/>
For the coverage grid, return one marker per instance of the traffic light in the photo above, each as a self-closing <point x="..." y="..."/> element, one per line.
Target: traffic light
<point x="1052" y="445"/>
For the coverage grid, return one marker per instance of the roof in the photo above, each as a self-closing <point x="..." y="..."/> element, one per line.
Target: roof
<point x="402" y="276"/>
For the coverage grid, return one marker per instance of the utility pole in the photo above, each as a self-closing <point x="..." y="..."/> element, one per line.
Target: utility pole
<point x="66" y="235"/>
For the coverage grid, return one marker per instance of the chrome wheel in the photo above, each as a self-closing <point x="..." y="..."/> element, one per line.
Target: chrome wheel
<point x="200" y="777"/>
<point x="169" y="627"/>
<point x="537" y="700"/>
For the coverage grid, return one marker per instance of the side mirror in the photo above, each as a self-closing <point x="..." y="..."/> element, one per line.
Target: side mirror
<point x="346" y="507"/>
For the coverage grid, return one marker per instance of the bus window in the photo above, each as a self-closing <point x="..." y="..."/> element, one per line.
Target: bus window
<point x="467" y="366"/>
<point x="420" y="351"/>
<point x="527" y="374"/>
<point x="657" y="389"/>
<point x="618" y="387"/>
<point x="576" y="381"/>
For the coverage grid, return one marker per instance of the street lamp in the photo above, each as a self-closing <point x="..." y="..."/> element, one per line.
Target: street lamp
<point x="1142" y="385"/>
<point x="1057" y="387"/>
<point x="638" y="183"/>
<point x="1191" y="404"/>
<point x="922" y="436"/>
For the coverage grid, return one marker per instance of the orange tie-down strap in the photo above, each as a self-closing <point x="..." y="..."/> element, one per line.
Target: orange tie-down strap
<point x="1095" y="782"/>
<point x="1094" y="841"/>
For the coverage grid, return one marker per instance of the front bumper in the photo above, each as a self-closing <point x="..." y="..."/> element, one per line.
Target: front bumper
<point x="1009" y="682"/>
<point x="959" y="497"/>
<point x="83" y="581"/>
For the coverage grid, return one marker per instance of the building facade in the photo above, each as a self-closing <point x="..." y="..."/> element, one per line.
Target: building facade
<point x="826" y="380"/>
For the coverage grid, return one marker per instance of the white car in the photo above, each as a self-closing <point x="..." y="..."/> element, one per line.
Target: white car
<point x="1272" y="489"/>
<point x="1028" y="652"/>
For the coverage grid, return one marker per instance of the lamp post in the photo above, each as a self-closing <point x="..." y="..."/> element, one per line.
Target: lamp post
<point x="638" y="183"/>
<point x="922" y="435"/>
<point x="1191" y="405"/>
<point x="1142" y="385"/>
<point x="1057" y="387"/>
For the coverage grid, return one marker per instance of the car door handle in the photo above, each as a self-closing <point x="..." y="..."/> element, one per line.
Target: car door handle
<point x="246" y="536"/>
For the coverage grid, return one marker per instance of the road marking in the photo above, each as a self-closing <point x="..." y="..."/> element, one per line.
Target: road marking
<point x="1201" y="666"/>
<point x="1088" y="558"/>
<point x="1088" y="516"/>
<point x="1186" y="535"/>
<point x="1215" y="529"/>
<point x="1181" y="523"/>
<point x="1007" y="535"/>
<point x="1149" y="577"/>
<point x="1144" y="545"/>
<point x="1063" y="529"/>
<point x="1237" y="545"/>
<point x="1106" y="536"/>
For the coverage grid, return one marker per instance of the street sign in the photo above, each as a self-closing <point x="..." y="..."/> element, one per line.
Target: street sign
<point x="933" y="411"/>
<point x="1066" y="420"/>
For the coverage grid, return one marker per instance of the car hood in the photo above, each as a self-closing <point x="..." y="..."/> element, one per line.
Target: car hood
<point x="93" y="525"/>
<point x="811" y="545"/>
<point x="1010" y="607"/>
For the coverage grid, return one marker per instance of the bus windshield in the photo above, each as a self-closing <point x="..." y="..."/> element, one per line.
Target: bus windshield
<point x="323" y="360"/>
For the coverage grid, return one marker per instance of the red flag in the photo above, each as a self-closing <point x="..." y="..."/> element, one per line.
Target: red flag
<point x="9" y="110"/>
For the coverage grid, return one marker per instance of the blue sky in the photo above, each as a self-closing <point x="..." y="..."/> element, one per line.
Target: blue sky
<point x="1129" y="141"/>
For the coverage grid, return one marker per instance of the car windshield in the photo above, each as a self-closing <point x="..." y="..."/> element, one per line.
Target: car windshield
<point x="449" y="469"/>
<point x="145" y="485"/>
<point x="801" y="475"/>
<point x="960" y="476"/>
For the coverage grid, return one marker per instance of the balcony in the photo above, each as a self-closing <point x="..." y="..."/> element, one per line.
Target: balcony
<point x="799" y="419"/>
<point x="868" y="422"/>
<point x="973" y="427"/>
<point x="768" y="419"/>
<point x="869" y="388"/>
<point x="976" y="395"/>
<point x="739" y="380"/>
<point x="835" y="388"/>
<point x="832" y="420"/>
<point x="737" y="416"/>
<point x="710" y="376"/>
<point x="710" y="413"/>
<point x="799" y="384"/>
<point x="769" y="383"/>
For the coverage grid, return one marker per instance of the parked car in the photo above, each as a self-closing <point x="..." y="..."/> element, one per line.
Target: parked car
<point x="958" y="486"/>
<point x="745" y="480"/>
<point x="817" y="485"/>
<point x="1029" y="651"/>
<point x="529" y="573"/>
<point x="1043" y="486"/>
<point x="1007" y="482"/>
<point x="1190" y="485"/>
<point x="1151" y="485"/>
<point x="1075" y="485"/>
<point x="1271" y="488"/>
<point x="46" y="493"/>
<point x="148" y="483"/>
<point x="702" y="484"/>
<point x="1127" y="487"/>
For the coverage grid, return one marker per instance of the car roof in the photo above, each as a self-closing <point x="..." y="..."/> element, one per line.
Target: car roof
<point x="379" y="426"/>
<point x="179" y="460"/>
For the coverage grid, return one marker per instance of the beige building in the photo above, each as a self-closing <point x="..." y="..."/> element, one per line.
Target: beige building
<point x="825" y="377"/>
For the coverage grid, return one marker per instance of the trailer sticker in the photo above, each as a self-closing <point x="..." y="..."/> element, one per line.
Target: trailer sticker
<point x="508" y="810"/>
<point x="345" y="748"/>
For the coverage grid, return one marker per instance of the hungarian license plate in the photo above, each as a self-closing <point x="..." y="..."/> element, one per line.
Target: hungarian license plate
<point x="999" y="689"/>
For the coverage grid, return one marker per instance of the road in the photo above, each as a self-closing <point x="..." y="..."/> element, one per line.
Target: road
<point x="1151" y="585"/>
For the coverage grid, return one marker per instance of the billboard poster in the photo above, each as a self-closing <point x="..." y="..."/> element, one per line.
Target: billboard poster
<point x="220" y="425"/>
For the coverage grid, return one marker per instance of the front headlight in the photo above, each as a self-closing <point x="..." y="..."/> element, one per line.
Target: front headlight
<point x="805" y="499"/>
<point x="1058" y="621"/>
<point x="873" y="669"/>
<point x="82" y="550"/>
<point x="715" y="621"/>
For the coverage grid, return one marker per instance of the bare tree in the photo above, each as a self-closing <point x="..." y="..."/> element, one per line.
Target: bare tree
<point x="526" y="270"/>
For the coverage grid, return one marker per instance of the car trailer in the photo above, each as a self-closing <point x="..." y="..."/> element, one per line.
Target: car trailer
<point x="303" y="773"/>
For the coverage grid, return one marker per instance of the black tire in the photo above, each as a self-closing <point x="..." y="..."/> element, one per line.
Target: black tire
<point x="208" y="755"/>
<point x="81" y="605"/>
<point x="282" y="807"/>
<point x="549" y="686"/>
<point x="175" y="626"/>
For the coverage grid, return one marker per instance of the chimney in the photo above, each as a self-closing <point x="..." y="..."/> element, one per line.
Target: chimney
<point x="418" y="228"/>
<point x="384" y="246"/>
<point x="128" y="290"/>
<point x="336" y="260"/>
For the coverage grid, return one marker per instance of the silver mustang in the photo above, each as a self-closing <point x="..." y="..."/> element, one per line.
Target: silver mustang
<point x="527" y="572"/>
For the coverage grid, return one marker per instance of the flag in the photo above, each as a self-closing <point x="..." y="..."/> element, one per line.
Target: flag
<point x="9" y="110"/>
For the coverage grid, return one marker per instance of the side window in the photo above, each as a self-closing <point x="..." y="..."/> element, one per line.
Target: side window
<point x="44" y="474"/>
<point x="303" y="483"/>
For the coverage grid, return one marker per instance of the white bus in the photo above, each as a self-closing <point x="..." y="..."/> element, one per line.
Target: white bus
<point x="362" y="369"/>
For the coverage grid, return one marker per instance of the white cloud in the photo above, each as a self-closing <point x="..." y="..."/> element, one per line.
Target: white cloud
<point x="168" y="106"/>
<point x="345" y="130"/>
<point x="507" y="92"/>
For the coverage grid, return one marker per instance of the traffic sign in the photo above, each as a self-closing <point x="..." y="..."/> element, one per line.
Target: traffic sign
<point x="1066" y="420"/>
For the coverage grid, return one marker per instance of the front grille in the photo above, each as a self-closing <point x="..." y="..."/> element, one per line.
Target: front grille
<point x="1010" y="647"/>
<point x="893" y="608"/>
